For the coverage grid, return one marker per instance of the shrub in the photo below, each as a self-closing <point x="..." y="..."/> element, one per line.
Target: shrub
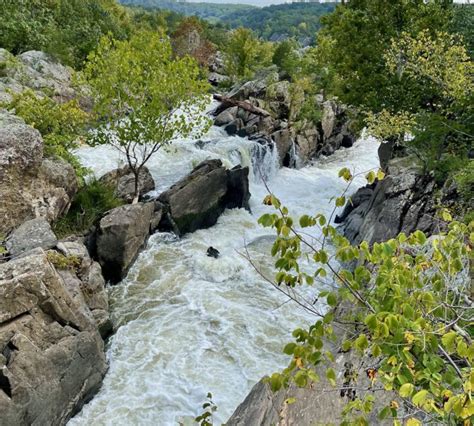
<point x="60" y="125"/>
<point x="89" y="205"/>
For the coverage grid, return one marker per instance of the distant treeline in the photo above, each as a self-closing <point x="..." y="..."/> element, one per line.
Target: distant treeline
<point x="296" y="20"/>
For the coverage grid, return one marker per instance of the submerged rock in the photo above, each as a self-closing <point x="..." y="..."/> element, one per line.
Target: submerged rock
<point x="197" y="200"/>
<point x="52" y="357"/>
<point x="120" y="236"/>
<point x="212" y="252"/>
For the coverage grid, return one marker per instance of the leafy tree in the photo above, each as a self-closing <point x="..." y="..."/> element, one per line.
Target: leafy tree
<point x="286" y="57"/>
<point x="405" y="304"/>
<point x="245" y="53"/>
<point x="143" y="97"/>
<point x="67" y="29"/>
<point x="443" y="132"/>
<point x="354" y="39"/>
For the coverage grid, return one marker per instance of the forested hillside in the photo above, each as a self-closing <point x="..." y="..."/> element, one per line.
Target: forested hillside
<point x="277" y="22"/>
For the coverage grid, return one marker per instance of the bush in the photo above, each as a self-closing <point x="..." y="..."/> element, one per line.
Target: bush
<point x="60" y="125"/>
<point x="89" y="205"/>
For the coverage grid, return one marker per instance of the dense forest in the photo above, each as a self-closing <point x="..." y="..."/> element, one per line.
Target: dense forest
<point x="398" y="310"/>
<point x="276" y="22"/>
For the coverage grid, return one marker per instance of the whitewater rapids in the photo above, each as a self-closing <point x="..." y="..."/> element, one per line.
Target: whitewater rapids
<point x="188" y="324"/>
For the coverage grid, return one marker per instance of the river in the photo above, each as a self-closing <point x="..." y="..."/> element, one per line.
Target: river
<point x="188" y="324"/>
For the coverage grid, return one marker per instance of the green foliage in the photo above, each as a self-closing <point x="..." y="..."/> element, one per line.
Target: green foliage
<point x="88" y="206"/>
<point x="286" y="57"/>
<point x="408" y="299"/>
<point x="209" y="407"/>
<point x="245" y="53"/>
<point x="67" y="29"/>
<point x="300" y="21"/>
<point x="145" y="95"/>
<point x="60" y="261"/>
<point x="60" y="125"/>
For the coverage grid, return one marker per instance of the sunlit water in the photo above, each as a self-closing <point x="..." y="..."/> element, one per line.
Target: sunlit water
<point x="188" y="324"/>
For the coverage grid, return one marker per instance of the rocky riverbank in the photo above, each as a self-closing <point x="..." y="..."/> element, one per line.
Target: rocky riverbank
<point x="261" y="110"/>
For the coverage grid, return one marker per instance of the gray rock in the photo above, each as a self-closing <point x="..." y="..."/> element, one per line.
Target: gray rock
<point x="196" y="201"/>
<point x="402" y="202"/>
<point x="91" y="283"/>
<point x="30" y="186"/>
<point x="284" y="144"/>
<point x="226" y="116"/>
<point x="120" y="236"/>
<point x="217" y="79"/>
<point x="54" y="357"/>
<point x="30" y="235"/>
<point x="123" y="182"/>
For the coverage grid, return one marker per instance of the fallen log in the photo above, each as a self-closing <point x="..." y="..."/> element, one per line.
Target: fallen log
<point x="247" y="106"/>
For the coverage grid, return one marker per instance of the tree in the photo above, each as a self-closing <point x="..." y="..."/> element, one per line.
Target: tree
<point x="286" y="57"/>
<point x="404" y="307"/>
<point x="245" y="53"/>
<point x="143" y="97"/>
<point x="353" y="41"/>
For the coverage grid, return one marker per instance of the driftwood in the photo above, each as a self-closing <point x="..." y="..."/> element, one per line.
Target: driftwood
<point x="247" y="106"/>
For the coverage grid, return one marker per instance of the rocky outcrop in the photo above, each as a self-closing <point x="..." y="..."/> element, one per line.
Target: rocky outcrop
<point x="51" y="353"/>
<point x="120" y="236"/>
<point x="123" y="182"/>
<point x="30" y="186"/>
<point x="260" y="109"/>
<point x="198" y="200"/>
<point x="403" y="202"/>
<point x="35" y="233"/>
<point x="37" y="71"/>
<point x="85" y="282"/>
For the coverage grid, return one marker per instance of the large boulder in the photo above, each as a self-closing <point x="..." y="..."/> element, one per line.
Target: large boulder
<point x="30" y="185"/>
<point x="120" y="236"/>
<point x="199" y="199"/>
<point x="52" y="357"/>
<point x="85" y="280"/>
<point x="30" y="235"/>
<point x="402" y="202"/>
<point x="123" y="182"/>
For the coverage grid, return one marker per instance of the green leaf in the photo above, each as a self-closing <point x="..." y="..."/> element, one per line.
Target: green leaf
<point x="332" y="299"/>
<point x="331" y="376"/>
<point x="340" y="201"/>
<point x="448" y="341"/>
<point x="406" y="390"/>
<point x="420" y="397"/>
<point x="290" y="348"/>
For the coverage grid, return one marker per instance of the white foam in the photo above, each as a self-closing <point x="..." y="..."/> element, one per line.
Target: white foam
<point x="190" y="324"/>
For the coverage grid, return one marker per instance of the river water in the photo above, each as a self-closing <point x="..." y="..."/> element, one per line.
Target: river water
<point x="188" y="324"/>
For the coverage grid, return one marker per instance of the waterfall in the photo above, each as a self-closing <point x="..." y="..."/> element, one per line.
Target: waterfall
<point x="188" y="324"/>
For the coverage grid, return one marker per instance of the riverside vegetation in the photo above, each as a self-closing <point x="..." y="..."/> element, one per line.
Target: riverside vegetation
<point x="406" y="74"/>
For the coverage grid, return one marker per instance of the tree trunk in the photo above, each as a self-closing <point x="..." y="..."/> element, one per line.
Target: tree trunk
<point x="247" y="106"/>
<point x="136" y="174"/>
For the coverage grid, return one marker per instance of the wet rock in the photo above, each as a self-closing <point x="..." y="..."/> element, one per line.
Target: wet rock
<point x="226" y="117"/>
<point x="197" y="200"/>
<point x="30" y="235"/>
<point x="53" y="359"/>
<point x="212" y="252"/>
<point x="120" y="236"/>
<point x="123" y="182"/>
